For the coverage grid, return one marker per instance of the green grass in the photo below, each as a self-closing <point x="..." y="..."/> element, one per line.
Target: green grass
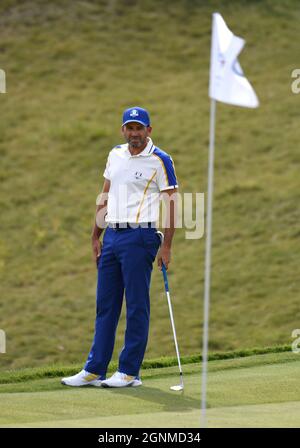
<point x="72" y="67"/>
<point x="50" y="371"/>
<point x="255" y="391"/>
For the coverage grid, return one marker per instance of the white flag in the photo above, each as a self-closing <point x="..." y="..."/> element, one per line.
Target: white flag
<point x="227" y="81"/>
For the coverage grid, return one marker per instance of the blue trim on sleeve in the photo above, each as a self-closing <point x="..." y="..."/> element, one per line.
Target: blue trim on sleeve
<point x="169" y="166"/>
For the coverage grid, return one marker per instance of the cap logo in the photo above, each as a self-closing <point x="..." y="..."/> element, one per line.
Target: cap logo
<point x="134" y="113"/>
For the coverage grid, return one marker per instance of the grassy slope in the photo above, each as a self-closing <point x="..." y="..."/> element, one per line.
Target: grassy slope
<point x="256" y="391"/>
<point x="71" y="68"/>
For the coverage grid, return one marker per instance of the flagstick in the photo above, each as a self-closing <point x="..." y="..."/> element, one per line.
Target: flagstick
<point x="208" y="257"/>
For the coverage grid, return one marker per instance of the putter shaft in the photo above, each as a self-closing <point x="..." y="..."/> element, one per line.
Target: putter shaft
<point x="164" y="271"/>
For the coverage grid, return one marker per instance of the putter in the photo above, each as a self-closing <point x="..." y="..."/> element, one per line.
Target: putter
<point x="180" y="386"/>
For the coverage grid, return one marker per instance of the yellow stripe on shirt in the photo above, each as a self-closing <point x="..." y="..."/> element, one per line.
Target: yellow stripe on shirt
<point x="144" y="194"/>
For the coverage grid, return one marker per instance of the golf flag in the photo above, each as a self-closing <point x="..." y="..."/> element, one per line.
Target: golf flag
<point x="228" y="85"/>
<point x="227" y="81"/>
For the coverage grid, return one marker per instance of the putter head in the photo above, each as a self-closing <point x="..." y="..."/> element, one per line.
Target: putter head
<point x="177" y="388"/>
<point x="180" y="386"/>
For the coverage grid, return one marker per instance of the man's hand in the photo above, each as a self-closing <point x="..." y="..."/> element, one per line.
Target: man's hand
<point x="99" y="224"/>
<point x="97" y="247"/>
<point x="164" y="256"/>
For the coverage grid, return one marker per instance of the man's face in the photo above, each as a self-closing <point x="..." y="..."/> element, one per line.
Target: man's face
<point x="136" y="134"/>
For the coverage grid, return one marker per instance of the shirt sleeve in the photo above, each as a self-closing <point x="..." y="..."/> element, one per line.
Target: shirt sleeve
<point x="166" y="175"/>
<point x="106" y="173"/>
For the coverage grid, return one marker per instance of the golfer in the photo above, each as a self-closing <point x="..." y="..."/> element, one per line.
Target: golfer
<point x="136" y="175"/>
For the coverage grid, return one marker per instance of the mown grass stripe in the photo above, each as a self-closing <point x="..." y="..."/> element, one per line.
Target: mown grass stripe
<point x="14" y="376"/>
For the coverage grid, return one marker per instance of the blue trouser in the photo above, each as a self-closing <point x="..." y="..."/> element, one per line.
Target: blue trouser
<point x="125" y="263"/>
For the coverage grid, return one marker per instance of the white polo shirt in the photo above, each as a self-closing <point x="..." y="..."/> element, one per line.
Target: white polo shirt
<point x="136" y="182"/>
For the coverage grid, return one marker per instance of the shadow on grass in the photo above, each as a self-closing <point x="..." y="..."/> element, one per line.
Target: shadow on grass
<point x="171" y="400"/>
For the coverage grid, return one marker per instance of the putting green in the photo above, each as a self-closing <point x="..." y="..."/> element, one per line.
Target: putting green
<point x="259" y="391"/>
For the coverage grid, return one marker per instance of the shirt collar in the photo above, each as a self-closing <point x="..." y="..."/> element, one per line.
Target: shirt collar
<point x="146" y="151"/>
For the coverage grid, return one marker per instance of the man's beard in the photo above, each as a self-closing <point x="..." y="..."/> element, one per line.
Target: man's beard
<point x="136" y="143"/>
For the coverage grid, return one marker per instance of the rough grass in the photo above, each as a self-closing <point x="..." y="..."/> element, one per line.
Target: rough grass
<point x="71" y="69"/>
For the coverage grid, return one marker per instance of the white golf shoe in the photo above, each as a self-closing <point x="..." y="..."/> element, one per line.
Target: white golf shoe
<point x="83" y="378"/>
<point x="120" y="379"/>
